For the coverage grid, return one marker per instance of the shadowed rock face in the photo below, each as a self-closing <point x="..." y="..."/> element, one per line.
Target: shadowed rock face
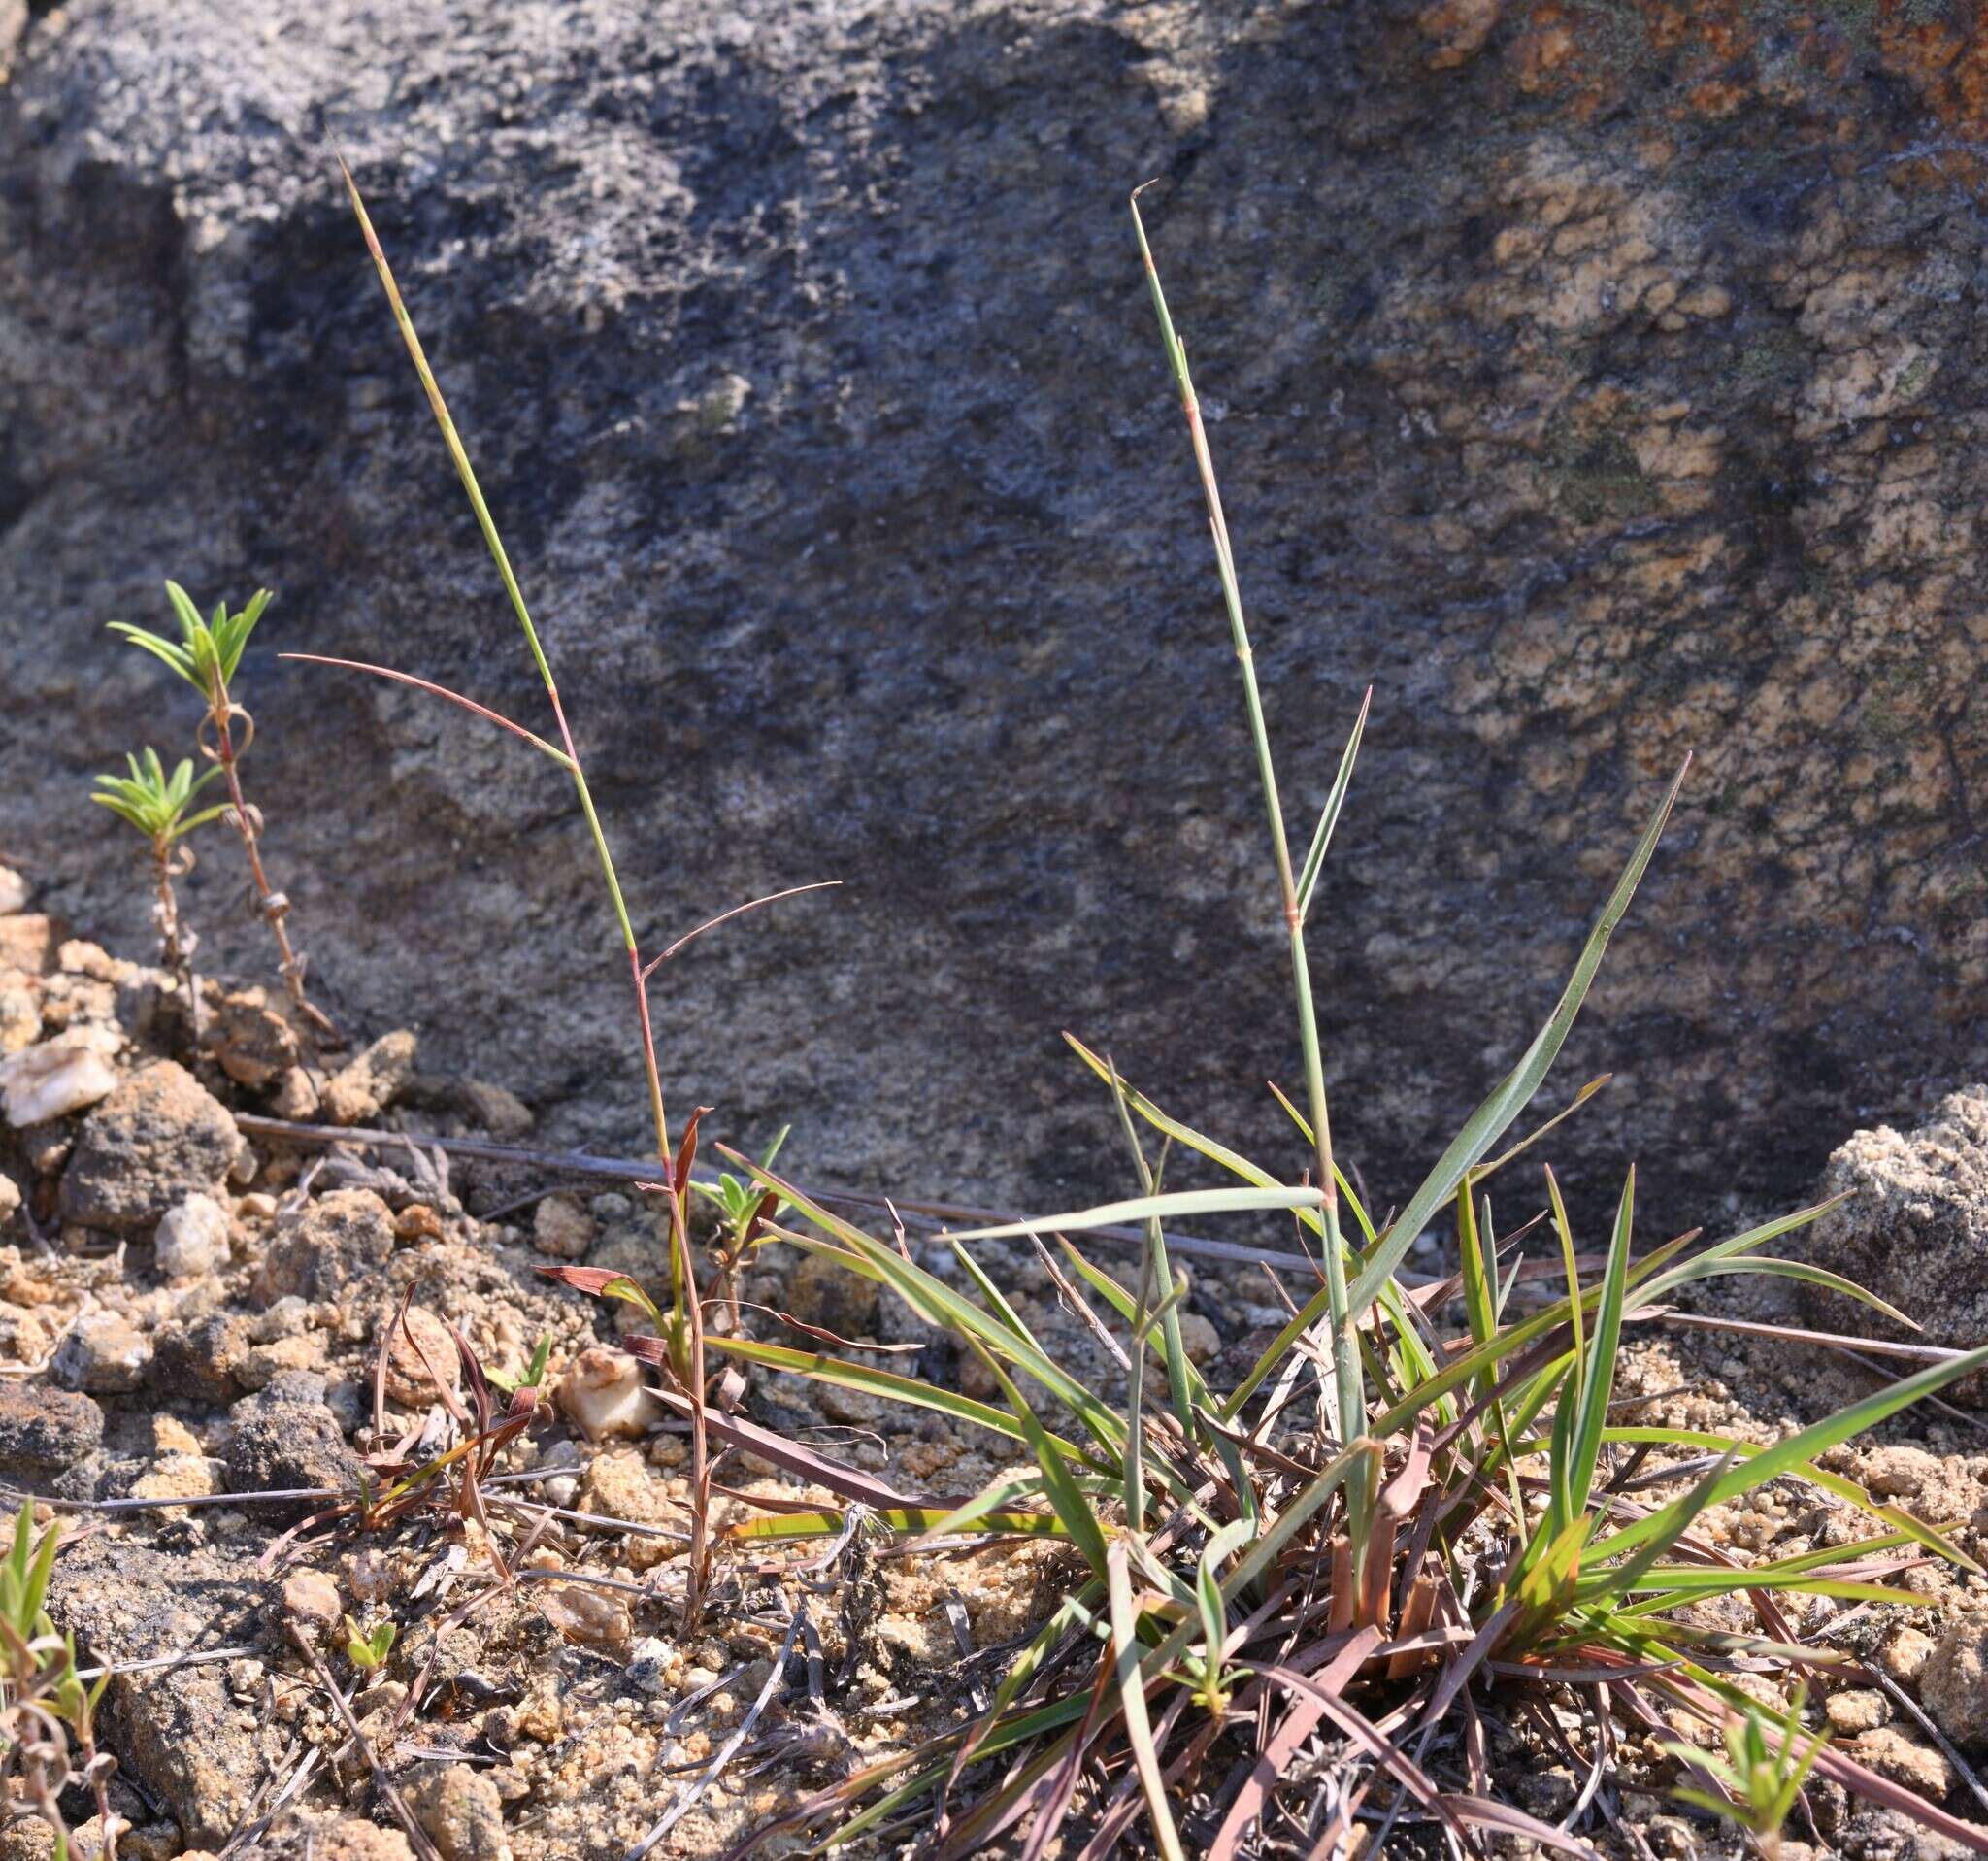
<point x="1598" y="382"/>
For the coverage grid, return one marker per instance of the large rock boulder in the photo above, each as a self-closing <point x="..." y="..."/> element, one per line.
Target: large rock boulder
<point x="1599" y="381"/>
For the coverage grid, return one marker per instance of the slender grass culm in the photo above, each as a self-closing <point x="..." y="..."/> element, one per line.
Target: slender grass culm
<point x="1295" y="889"/>
<point x="685" y="1327"/>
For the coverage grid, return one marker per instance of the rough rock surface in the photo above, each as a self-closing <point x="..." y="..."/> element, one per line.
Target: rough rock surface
<point x="462" y="1813"/>
<point x="1599" y="381"/>
<point x="193" y="1240"/>
<point x="160" y="1137"/>
<point x="366" y="1085"/>
<point x="186" y="1732"/>
<point x="1954" y="1683"/>
<point x="285" y="1444"/>
<point x="1914" y="1228"/>
<point x="44" y="1431"/>
<point x="326" y="1245"/>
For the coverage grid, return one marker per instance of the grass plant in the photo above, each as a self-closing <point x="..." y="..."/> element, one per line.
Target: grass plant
<point x="207" y="656"/>
<point x="684" y="1323"/>
<point x="1293" y="1601"/>
<point x="1348" y="1562"/>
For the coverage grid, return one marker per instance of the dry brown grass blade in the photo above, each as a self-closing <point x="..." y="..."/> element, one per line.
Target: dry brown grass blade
<point x="1059" y="1788"/>
<point x="724" y="918"/>
<point x="838" y="1477"/>
<point x="1486" y="1813"/>
<point x="1123" y="1803"/>
<point x="497" y="717"/>
<point x="1417" y="1613"/>
<point x="1362" y="1730"/>
<point x="929" y="1213"/>
<point x="1285" y="1743"/>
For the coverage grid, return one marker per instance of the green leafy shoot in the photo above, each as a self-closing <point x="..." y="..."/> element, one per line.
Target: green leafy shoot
<point x="1759" y="1776"/>
<point x="534" y="1374"/>
<point x="367" y="1649"/>
<point x="207" y="656"/>
<point x="209" y="651"/>
<point x="47" y="1713"/>
<point x="155" y="803"/>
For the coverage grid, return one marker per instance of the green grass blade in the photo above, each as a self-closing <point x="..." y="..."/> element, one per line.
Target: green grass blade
<point x="922" y="1521"/>
<point x="1060" y="1488"/>
<point x="1783" y="1456"/>
<point x="1127" y="1308"/>
<point x="887" y="1384"/>
<point x="1175" y="1202"/>
<point x="1835" y="1484"/>
<point x="1771" y="1267"/>
<point x="997" y="1300"/>
<point x="1492" y="1119"/>
<point x="1139" y="1731"/>
<point x="938" y="1304"/>
<point x="1314" y="859"/>
<point x="491" y="539"/>
<point x="1598" y="1385"/>
<point x="1218" y="1152"/>
<point x="1654" y="1287"/>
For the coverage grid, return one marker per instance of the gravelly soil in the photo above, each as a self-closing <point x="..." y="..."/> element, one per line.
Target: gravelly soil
<point x="214" y="1329"/>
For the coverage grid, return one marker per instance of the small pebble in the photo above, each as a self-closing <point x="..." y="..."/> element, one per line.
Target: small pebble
<point x="191" y="1240"/>
<point x="649" y="1664"/>
<point x="589" y="1616"/>
<point x="311" y="1600"/>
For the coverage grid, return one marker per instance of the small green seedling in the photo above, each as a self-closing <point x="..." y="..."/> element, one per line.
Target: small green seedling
<point x="739" y="1204"/>
<point x="744" y="1208"/>
<point x="368" y="1648"/>
<point x="44" y="1702"/>
<point x="207" y="656"/>
<point x="1767" y="1760"/>
<point x="535" y="1370"/>
<point x="158" y="806"/>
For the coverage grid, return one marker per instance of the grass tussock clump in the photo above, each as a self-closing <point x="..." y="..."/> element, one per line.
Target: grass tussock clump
<point x="1295" y="1601"/>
